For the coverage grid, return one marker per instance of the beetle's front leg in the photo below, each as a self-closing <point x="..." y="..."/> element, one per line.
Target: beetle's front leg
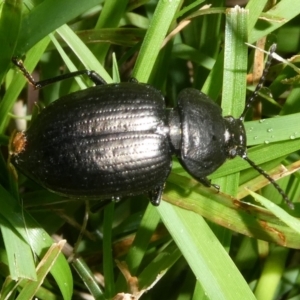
<point x="207" y="182"/>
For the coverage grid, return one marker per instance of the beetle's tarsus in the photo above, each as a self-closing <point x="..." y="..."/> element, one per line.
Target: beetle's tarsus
<point x="205" y="181"/>
<point x="95" y="77"/>
<point x="216" y="186"/>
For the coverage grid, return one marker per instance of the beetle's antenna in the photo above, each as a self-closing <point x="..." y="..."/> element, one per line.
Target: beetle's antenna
<point x="275" y="184"/>
<point x="260" y="83"/>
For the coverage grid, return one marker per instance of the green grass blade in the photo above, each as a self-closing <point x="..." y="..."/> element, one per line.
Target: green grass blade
<point x="17" y="85"/>
<point x="37" y="238"/>
<point x="160" y="23"/>
<point x="138" y="248"/>
<point x="10" y="22"/>
<point x="284" y="10"/>
<point x="108" y="266"/>
<point x="271" y="130"/>
<point x="255" y="7"/>
<point x="291" y="221"/>
<point x="228" y="212"/>
<point x="29" y="287"/>
<point x="88" y="278"/>
<point x="31" y="30"/>
<point x="82" y="52"/>
<point x="207" y="258"/>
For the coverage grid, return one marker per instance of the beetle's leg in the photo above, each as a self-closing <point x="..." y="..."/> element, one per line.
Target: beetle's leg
<point x="95" y="77"/>
<point x="206" y="182"/>
<point x="155" y="195"/>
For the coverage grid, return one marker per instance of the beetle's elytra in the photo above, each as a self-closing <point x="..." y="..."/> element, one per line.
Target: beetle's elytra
<point x="115" y="140"/>
<point x="108" y="141"/>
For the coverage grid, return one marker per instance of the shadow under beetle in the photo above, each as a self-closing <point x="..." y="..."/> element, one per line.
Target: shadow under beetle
<point x="115" y="140"/>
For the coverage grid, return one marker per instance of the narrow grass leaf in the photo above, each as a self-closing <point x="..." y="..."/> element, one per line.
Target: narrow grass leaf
<point x="158" y="266"/>
<point x="31" y="30"/>
<point x="291" y="221"/>
<point x="255" y="8"/>
<point x="259" y="155"/>
<point x="284" y="10"/>
<point x="160" y="23"/>
<point x="139" y="246"/>
<point x="88" y="278"/>
<point x="31" y="287"/>
<point x="108" y="264"/>
<point x="38" y="239"/>
<point x="19" y="255"/>
<point x="273" y="129"/>
<point x="10" y="23"/>
<point x="19" y="81"/>
<point x="229" y="212"/>
<point x="89" y="61"/>
<point x="207" y="258"/>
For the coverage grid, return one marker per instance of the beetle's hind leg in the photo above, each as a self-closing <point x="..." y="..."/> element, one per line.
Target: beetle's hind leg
<point x="92" y="75"/>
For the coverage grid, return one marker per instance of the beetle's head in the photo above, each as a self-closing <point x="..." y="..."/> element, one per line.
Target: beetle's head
<point x="235" y="137"/>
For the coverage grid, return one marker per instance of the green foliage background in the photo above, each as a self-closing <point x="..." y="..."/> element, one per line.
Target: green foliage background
<point x="172" y="248"/>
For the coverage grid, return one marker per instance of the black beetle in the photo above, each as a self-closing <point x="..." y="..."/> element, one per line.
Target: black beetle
<point x="116" y="140"/>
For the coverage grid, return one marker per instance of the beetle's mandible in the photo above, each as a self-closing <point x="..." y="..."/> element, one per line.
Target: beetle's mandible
<point x="115" y="140"/>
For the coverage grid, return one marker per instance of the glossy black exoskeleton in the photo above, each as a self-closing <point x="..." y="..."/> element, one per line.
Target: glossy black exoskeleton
<point x="116" y="140"/>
